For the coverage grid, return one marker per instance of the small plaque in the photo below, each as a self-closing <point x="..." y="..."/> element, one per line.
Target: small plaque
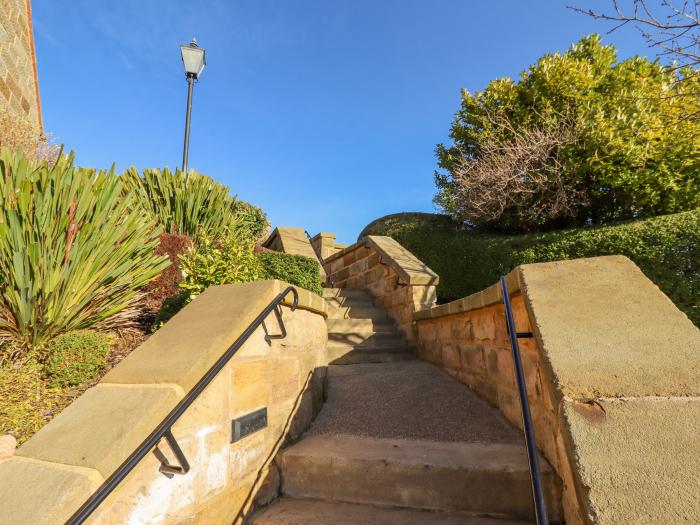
<point x="245" y="425"/>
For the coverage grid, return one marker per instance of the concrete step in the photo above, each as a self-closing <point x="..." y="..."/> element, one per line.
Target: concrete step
<point x="376" y="313"/>
<point x="354" y="356"/>
<point x="345" y="292"/>
<point x="488" y="479"/>
<point x="372" y="340"/>
<point x="287" y="511"/>
<point x="360" y="326"/>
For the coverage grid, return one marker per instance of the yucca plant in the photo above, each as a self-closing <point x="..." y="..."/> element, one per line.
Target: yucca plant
<point x="75" y="249"/>
<point x="183" y="203"/>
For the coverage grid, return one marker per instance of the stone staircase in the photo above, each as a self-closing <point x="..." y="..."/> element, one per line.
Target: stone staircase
<point x="399" y="441"/>
<point x="360" y="331"/>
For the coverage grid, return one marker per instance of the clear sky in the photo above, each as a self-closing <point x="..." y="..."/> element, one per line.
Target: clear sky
<point x="325" y="113"/>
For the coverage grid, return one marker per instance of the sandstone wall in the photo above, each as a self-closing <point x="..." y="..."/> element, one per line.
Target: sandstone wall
<point x="392" y="275"/>
<point x="294" y="241"/>
<point x="613" y="379"/>
<point x="54" y="472"/>
<point x="19" y="88"/>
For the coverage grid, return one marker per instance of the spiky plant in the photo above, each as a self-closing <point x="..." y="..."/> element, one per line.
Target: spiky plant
<point x="75" y="249"/>
<point x="183" y="203"/>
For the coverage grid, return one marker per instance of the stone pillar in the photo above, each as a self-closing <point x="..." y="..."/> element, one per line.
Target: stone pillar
<point x="325" y="242"/>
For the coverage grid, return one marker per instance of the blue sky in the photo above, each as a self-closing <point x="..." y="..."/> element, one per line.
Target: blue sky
<point x="325" y="113"/>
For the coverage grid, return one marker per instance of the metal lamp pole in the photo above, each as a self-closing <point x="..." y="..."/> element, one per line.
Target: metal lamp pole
<point x="193" y="58"/>
<point x="186" y="149"/>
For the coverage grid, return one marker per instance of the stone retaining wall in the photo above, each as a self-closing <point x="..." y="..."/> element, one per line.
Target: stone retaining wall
<point x="613" y="379"/>
<point x="391" y="274"/>
<point x="54" y="472"/>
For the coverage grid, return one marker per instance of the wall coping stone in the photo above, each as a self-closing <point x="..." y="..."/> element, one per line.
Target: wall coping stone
<point x="487" y="297"/>
<point x="293" y="240"/>
<point x="411" y="270"/>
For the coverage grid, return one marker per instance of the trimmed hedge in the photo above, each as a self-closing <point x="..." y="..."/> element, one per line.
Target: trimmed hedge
<point x="76" y="357"/>
<point x="294" y="269"/>
<point x="666" y="248"/>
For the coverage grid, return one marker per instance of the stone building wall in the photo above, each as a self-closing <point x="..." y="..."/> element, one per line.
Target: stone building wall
<point x="19" y="86"/>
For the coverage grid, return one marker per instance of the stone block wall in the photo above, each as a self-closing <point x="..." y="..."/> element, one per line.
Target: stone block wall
<point x="54" y="472"/>
<point x="19" y="87"/>
<point x="391" y="274"/>
<point x="613" y="380"/>
<point x="469" y="340"/>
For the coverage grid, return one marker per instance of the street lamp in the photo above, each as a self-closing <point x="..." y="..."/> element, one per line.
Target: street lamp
<point x="194" y="62"/>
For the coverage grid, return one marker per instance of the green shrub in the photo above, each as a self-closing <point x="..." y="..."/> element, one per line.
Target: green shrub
<point x="75" y="250"/>
<point x="294" y="269"/>
<point x="666" y="248"/>
<point x="578" y="139"/>
<point x="252" y="219"/>
<point x="228" y="259"/>
<point x="193" y="204"/>
<point x="76" y="357"/>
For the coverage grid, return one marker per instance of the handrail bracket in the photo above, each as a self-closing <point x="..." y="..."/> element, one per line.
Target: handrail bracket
<point x="183" y="467"/>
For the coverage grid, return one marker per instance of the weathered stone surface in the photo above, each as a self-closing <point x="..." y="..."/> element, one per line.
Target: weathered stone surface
<point x="291" y="511"/>
<point x="417" y="474"/>
<point x="40" y="493"/>
<point x="102" y="427"/>
<point x="607" y="330"/>
<point x="19" y="86"/>
<point x="8" y="444"/>
<point x="638" y="459"/>
<point x="216" y="318"/>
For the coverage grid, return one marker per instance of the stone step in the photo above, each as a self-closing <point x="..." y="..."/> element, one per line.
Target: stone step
<point x="376" y="313"/>
<point x="371" y="340"/>
<point x="345" y="292"/>
<point x="488" y="479"/>
<point x="349" y="301"/>
<point x="288" y="511"/>
<point x="343" y="356"/>
<point x="360" y="326"/>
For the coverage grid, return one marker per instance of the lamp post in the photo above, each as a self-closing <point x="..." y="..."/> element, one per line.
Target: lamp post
<point x="194" y="62"/>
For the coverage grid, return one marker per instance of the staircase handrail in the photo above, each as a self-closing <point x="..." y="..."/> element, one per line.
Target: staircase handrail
<point x="164" y="429"/>
<point x="528" y="427"/>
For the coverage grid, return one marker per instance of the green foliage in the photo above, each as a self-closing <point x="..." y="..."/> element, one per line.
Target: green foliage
<point x="636" y="146"/>
<point x="252" y="218"/>
<point x="294" y="269"/>
<point x="192" y="204"/>
<point x="229" y="259"/>
<point x="75" y="249"/>
<point x="27" y="403"/>
<point x="76" y="357"/>
<point x="666" y="248"/>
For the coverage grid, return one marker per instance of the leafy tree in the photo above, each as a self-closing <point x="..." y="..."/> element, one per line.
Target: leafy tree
<point x="580" y="139"/>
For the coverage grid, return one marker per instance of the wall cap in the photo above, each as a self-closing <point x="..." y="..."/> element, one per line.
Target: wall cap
<point x="411" y="270"/>
<point x="486" y="297"/>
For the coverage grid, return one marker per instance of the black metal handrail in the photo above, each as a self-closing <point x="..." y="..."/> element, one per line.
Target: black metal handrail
<point x="319" y="256"/>
<point x="164" y="429"/>
<point x="528" y="428"/>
